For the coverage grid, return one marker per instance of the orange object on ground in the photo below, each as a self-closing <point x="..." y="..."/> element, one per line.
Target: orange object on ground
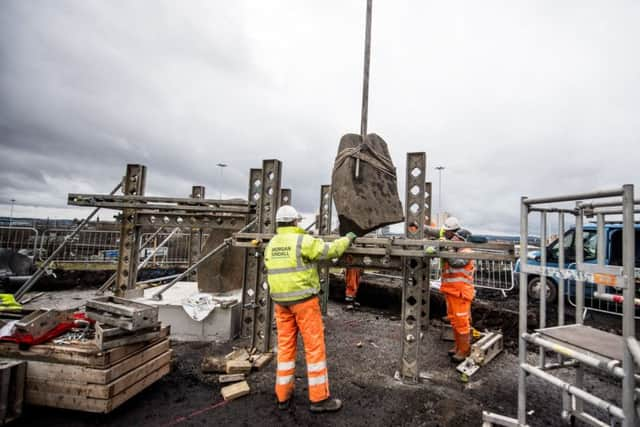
<point x="305" y="317"/>
<point x="352" y="280"/>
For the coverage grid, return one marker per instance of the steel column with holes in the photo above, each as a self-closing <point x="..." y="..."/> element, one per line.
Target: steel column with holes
<point x="251" y="261"/>
<point x="133" y="185"/>
<point x="413" y="269"/>
<point x="285" y="197"/>
<point x="426" y="283"/>
<point x="195" y="234"/>
<point x="266" y="223"/>
<point x="324" y="229"/>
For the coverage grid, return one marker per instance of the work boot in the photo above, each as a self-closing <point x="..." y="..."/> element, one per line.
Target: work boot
<point x="348" y="299"/>
<point x="327" y="405"/>
<point x="453" y="350"/>
<point x="464" y="348"/>
<point x="283" y="406"/>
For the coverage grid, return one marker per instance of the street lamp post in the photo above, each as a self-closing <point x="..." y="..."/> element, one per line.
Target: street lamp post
<point x="221" y="166"/>
<point x="13" y="201"/>
<point x="440" y="169"/>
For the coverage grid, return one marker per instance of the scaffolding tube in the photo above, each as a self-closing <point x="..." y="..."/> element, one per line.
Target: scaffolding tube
<point x="582" y="395"/>
<point x="612" y="367"/>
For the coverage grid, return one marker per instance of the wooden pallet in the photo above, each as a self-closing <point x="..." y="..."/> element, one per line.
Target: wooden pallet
<point x="91" y="389"/>
<point x="83" y="354"/>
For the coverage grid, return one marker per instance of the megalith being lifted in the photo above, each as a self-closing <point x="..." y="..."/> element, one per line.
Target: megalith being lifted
<point x="370" y="200"/>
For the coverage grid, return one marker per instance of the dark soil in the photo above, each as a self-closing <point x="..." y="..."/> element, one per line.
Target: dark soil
<point x="363" y="354"/>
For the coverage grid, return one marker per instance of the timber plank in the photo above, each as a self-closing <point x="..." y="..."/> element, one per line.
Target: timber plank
<point x="78" y="354"/>
<point x="87" y="404"/>
<point x="96" y="390"/>
<point x="86" y="375"/>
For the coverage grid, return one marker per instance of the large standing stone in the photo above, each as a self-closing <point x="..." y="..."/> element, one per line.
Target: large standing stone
<point x="371" y="201"/>
<point x="222" y="272"/>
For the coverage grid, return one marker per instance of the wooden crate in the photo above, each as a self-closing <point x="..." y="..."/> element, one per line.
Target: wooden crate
<point x="92" y="389"/>
<point x="12" y="385"/>
<point x="83" y="354"/>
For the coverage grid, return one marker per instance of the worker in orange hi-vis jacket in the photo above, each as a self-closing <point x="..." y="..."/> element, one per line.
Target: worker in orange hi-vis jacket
<point x="457" y="287"/>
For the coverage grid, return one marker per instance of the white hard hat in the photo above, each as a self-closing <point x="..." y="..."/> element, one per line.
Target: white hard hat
<point x="287" y="214"/>
<point x="451" y="223"/>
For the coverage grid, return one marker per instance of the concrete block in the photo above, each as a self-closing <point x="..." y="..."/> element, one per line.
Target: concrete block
<point x="235" y="391"/>
<point x="238" y="367"/>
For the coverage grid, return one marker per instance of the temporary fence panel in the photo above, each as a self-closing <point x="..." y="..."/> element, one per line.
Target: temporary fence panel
<point x="88" y="246"/>
<point x="23" y="239"/>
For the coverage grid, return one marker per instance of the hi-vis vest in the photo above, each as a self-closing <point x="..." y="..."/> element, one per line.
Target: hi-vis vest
<point x="458" y="282"/>
<point x="290" y="258"/>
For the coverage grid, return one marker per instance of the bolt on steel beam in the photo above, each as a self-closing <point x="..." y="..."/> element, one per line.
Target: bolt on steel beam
<point x="413" y="269"/>
<point x="324" y="228"/>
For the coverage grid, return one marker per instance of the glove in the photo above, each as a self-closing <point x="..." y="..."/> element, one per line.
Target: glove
<point x="430" y="250"/>
<point x="351" y="236"/>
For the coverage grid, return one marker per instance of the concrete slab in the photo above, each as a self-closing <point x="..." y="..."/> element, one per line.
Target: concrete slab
<point x="222" y="324"/>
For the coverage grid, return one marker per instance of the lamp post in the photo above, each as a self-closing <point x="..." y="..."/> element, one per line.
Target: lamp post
<point x="440" y="169"/>
<point x="13" y="201"/>
<point x="221" y="166"/>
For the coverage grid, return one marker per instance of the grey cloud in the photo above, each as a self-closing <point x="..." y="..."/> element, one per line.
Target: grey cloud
<point x="513" y="98"/>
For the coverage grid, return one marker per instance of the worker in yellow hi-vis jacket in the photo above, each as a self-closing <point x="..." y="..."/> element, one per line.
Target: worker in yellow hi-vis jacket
<point x="294" y="284"/>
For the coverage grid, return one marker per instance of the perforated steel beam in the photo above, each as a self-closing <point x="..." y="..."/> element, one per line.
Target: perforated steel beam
<point x="324" y="229"/>
<point x="133" y="185"/>
<point x="285" y="197"/>
<point x="266" y="216"/>
<point x="413" y="270"/>
<point x="426" y="283"/>
<point x="250" y="281"/>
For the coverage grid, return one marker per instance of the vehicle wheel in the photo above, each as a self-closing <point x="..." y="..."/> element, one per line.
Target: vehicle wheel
<point x="533" y="289"/>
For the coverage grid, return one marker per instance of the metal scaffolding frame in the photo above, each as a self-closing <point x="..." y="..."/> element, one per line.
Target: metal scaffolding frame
<point x="578" y="346"/>
<point x="189" y="213"/>
<point x="407" y="255"/>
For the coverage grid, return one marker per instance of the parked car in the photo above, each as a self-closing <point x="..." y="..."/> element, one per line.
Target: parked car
<point x="613" y="256"/>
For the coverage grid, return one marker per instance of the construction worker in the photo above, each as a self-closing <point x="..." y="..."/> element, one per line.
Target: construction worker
<point x="352" y="281"/>
<point x="456" y="284"/>
<point x="290" y="258"/>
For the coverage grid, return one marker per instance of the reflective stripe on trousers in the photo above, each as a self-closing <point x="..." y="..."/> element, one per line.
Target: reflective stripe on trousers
<point x="306" y="318"/>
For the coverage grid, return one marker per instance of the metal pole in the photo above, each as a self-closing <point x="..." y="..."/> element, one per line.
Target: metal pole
<point x="112" y="279"/>
<point x="36" y="276"/>
<point x="365" y="82"/>
<point x="543" y="281"/>
<point x="628" y="306"/>
<point x="221" y="166"/>
<point x="522" y="315"/>
<point x="225" y="244"/>
<point x="572" y="197"/>
<point x="579" y="246"/>
<point x="440" y="169"/>
<point x="561" y="265"/>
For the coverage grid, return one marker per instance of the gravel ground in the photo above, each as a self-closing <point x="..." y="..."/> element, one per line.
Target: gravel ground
<point x="360" y="375"/>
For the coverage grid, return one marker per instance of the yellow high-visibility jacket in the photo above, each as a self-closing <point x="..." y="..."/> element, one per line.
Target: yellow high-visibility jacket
<point x="290" y="258"/>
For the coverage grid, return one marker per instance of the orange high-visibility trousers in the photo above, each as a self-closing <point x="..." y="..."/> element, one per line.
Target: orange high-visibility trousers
<point x="306" y="318"/>
<point x="352" y="280"/>
<point x="459" y="313"/>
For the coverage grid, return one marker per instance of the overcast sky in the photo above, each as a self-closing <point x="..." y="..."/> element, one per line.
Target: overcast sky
<point x="512" y="97"/>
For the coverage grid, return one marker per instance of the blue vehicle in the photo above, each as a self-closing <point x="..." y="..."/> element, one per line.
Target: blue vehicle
<point x="613" y="256"/>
